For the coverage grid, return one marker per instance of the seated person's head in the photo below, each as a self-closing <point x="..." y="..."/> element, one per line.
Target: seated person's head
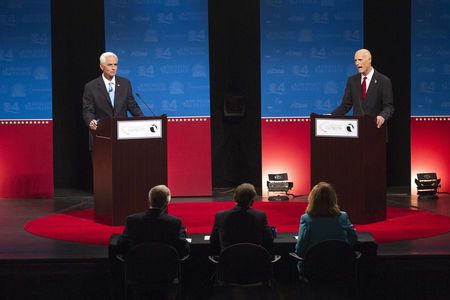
<point x="244" y="195"/>
<point x="322" y="201"/>
<point x="159" y="197"/>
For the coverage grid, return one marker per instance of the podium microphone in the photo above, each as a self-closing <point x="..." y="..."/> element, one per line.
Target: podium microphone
<point x="148" y="107"/>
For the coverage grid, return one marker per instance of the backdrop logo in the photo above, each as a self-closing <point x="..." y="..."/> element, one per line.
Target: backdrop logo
<point x="302" y="71"/>
<point x="146" y="71"/>
<point x="352" y="35"/>
<point x="169" y="105"/>
<point x="18" y="90"/>
<point x="306" y="35"/>
<point x="151" y="36"/>
<point x="6" y="55"/>
<point x="197" y="36"/>
<point x="199" y="70"/>
<point x="320" y="53"/>
<point x="164" y="53"/>
<point x="163" y="18"/>
<point x="41" y="73"/>
<point x="176" y="88"/>
<point x="330" y="87"/>
<point x="11" y="107"/>
<point x="8" y="20"/>
<point x="277" y="88"/>
<point x="319" y="18"/>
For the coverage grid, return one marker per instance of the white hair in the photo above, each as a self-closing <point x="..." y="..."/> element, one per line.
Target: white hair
<point x="105" y="55"/>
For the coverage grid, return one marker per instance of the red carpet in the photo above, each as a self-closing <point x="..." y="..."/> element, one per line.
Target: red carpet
<point x="78" y="226"/>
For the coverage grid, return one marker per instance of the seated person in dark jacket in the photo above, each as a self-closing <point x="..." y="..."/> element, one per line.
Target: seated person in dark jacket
<point x="155" y="225"/>
<point x="241" y="224"/>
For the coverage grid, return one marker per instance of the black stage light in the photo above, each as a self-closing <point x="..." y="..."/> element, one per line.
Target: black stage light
<point x="278" y="183"/>
<point x="427" y="185"/>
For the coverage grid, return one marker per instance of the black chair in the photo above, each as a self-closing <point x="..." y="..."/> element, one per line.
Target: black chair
<point x="152" y="271"/>
<point x="244" y="271"/>
<point x="331" y="263"/>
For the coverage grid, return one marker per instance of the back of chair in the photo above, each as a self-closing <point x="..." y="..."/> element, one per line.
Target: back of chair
<point x="330" y="261"/>
<point x="245" y="263"/>
<point x="152" y="263"/>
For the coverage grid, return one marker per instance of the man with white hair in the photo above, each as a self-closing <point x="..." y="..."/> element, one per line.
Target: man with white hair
<point x="368" y="93"/>
<point x="155" y="225"/>
<point x="108" y="95"/>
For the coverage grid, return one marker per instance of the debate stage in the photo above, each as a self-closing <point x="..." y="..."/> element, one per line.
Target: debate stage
<point x="38" y="268"/>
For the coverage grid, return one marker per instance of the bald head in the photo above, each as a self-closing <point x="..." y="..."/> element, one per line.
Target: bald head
<point x="363" y="61"/>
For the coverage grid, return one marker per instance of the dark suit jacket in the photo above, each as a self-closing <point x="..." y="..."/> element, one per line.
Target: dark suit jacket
<point x="379" y="97"/>
<point x="154" y="225"/>
<point x="240" y="225"/>
<point x="97" y="104"/>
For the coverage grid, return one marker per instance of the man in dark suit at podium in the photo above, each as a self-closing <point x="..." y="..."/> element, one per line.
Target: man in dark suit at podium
<point x="108" y="95"/>
<point x="369" y="92"/>
<point x="154" y="225"/>
<point x="241" y="224"/>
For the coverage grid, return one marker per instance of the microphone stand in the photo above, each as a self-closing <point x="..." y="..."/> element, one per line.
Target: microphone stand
<point x="148" y="107"/>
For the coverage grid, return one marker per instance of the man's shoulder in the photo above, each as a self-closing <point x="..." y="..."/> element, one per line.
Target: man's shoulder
<point x="122" y="80"/>
<point x="94" y="82"/>
<point x="223" y="213"/>
<point x="380" y="76"/>
<point x="354" y="77"/>
<point x="138" y="215"/>
<point x="256" y="211"/>
<point x="171" y="218"/>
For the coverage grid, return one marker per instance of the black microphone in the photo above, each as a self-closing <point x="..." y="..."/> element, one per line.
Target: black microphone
<point x="148" y="107"/>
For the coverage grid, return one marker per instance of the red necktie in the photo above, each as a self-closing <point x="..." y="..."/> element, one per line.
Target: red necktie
<point x="363" y="89"/>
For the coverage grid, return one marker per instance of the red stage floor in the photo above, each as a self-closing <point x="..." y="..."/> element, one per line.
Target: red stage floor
<point x="401" y="223"/>
<point x="16" y="243"/>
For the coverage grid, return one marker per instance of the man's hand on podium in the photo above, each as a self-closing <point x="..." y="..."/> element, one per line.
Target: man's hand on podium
<point x="93" y="125"/>
<point x="380" y="121"/>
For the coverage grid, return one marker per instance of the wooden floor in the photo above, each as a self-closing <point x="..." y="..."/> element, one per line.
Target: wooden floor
<point x="58" y="269"/>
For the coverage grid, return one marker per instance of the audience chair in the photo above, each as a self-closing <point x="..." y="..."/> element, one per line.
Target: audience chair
<point x="331" y="263"/>
<point x="152" y="270"/>
<point x="244" y="270"/>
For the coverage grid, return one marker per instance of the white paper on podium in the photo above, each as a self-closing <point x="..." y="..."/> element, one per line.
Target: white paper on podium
<point x="346" y="128"/>
<point x="139" y="129"/>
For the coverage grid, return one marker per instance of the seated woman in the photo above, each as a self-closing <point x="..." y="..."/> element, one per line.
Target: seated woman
<point x="323" y="220"/>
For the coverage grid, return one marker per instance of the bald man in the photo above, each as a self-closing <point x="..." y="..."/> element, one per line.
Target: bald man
<point x="377" y="100"/>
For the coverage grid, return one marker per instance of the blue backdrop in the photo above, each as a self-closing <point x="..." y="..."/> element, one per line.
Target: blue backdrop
<point x="430" y="58"/>
<point x="163" y="49"/>
<point x="25" y="60"/>
<point x="307" y="50"/>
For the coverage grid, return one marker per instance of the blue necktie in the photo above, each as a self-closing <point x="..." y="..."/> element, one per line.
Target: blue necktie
<point x="111" y="93"/>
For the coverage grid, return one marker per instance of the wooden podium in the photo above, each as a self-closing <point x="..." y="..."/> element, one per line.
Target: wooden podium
<point x="129" y="158"/>
<point x="350" y="154"/>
